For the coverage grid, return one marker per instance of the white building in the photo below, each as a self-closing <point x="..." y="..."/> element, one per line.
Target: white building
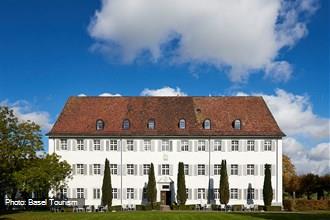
<point x="133" y="132"/>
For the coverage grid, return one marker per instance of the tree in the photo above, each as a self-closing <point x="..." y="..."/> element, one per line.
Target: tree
<point x="151" y="187"/>
<point x="43" y="174"/>
<point x="267" y="190"/>
<point x="19" y="142"/>
<point x="308" y="184"/>
<point x="323" y="185"/>
<point x="290" y="178"/>
<point x="106" y="199"/>
<point x="224" y="185"/>
<point x="181" y="190"/>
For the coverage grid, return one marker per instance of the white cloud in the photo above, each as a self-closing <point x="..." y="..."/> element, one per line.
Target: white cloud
<point x="294" y="114"/>
<point x="242" y="35"/>
<point x="23" y="110"/>
<point x="165" y="91"/>
<point x="314" y="160"/>
<point x="109" y="94"/>
<point x="82" y="95"/>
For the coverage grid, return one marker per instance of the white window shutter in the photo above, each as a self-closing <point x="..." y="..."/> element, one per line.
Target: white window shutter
<point x="73" y="169"/>
<point x="244" y="169"/>
<point x="69" y="144"/>
<point x="171" y="170"/>
<point x="102" y="169"/>
<point x="159" y="146"/>
<point x="211" y="145"/>
<point x="153" y="145"/>
<point x="135" y="147"/>
<point x="178" y="146"/>
<point x="102" y="144"/>
<point x="195" y="170"/>
<point x="262" y="145"/>
<point x="262" y="169"/>
<point x="240" y="145"/>
<point x="141" y="143"/>
<point x="124" y="193"/>
<point x="135" y="170"/>
<point x="123" y="169"/>
<point x="195" y="194"/>
<point x="118" y="193"/>
<point x="240" y="167"/>
<point x="190" y="173"/>
<point x="273" y="145"/>
<point x="207" y="145"/>
<point x="223" y="145"/>
<point x="141" y="169"/>
<point x="256" y="169"/>
<point x="57" y="144"/>
<point x="74" y="193"/>
<point x="90" y="169"/>
<point x="256" y="194"/>
<point x="229" y="146"/>
<point x="73" y="144"/>
<point x="239" y="193"/>
<point x="85" y="193"/>
<point x="91" y="145"/>
<point x="140" y="194"/>
<point x="159" y="170"/>
<point x="228" y="169"/>
<point x="206" y="170"/>
<point x="273" y="169"/>
<point x="119" y="169"/>
<point x="195" y="143"/>
<point x="85" y="144"/>
<point x="261" y="194"/>
<point x="190" y="194"/>
<point x="171" y="146"/>
<point x="119" y="143"/>
<point x="85" y="169"/>
<point x="124" y="145"/>
<point x="256" y="145"/>
<point x="245" y="194"/>
<point x="212" y="170"/>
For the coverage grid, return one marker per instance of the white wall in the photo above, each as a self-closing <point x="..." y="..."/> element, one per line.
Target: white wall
<point x="192" y="182"/>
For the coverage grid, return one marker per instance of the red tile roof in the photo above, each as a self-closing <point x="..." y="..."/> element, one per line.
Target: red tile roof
<point x="78" y="118"/>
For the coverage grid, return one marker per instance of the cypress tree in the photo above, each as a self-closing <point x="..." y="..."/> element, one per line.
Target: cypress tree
<point x="267" y="190"/>
<point x="224" y="185"/>
<point x="151" y="187"/>
<point x="106" y="199"/>
<point x="181" y="183"/>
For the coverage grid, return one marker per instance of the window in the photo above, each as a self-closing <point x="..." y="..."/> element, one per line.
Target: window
<point x="184" y="145"/>
<point x="217" y="169"/>
<point x="201" y="193"/>
<point x="237" y="124"/>
<point x="187" y="193"/>
<point x="250" y="145"/>
<point x="182" y="124"/>
<point x="80" y="144"/>
<point x="113" y="145"/>
<point x="201" y="169"/>
<point x="96" y="193"/>
<point x="250" y="169"/>
<point x="250" y="193"/>
<point x="268" y="145"/>
<point x="146" y="168"/>
<point x="234" y="169"/>
<point x="97" y="169"/>
<point x="166" y="145"/>
<point x="126" y="124"/>
<point x="130" y="193"/>
<point x="217" y="145"/>
<point x="216" y="194"/>
<point x="80" y="193"/>
<point x="64" y="144"/>
<point x="114" y="169"/>
<point x="234" y="145"/>
<point x="165" y="169"/>
<point x="80" y="169"/>
<point x="114" y="193"/>
<point x="186" y="169"/>
<point x="97" y="145"/>
<point x="207" y="124"/>
<point x="147" y="145"/>
<point x="99" y="125"/>
<point x="64" y="193"/>
<point x="201" y="145"/>
<point x="234" y="193"/>
<point x="130" y="169"/>
<point x="151" y="124"/>
<point x="130" y="145"/>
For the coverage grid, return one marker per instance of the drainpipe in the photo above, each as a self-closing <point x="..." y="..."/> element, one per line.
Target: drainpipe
<point x="209" y="190"/>
<point x="121" y="172"/>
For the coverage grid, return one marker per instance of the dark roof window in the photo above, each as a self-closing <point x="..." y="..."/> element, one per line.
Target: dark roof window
<point x="99" y="125"/>
<point x="126" y="124"/>
<point x="182" y="124"/>
<point x="151" y="124"/>
<point x="207" y="124"/>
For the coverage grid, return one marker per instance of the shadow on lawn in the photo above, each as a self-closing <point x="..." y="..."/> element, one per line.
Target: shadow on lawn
<point x="292" y="216"/>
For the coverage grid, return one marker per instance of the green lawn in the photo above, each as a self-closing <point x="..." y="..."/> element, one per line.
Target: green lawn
<point x="156" y="215"/>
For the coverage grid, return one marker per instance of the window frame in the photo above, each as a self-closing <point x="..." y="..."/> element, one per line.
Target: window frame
<point x="80" y="193"/>
<point x="97" y="169"/>
<point x="182" y="123"/>
<point x="80" y="169"/>
<point x="130" y="169"/>
<point x="130" y="145"/>
<point x="234" y="145"/>
<point x="201" y="145"/>
<point x="201" y="193"/>
<point x="217" y="169"/>
<point x="267" y="145"/>
<point x="151" y="124"/>
<point x="201" y="169"/>
<point x="234" y="169"/>
<point x="207" y="124"/>
<point x="165" y="169"/>
<point x="250" y="145"/>
<point x="217" y="146"/>
<point x="100" y="125"/>
<point x="237" y="124"/>
<point x="64" y="144"/>
<point x="96" y="193"/>
<point x="126" y="124"/>
<point x="113" y="145"/>
<point x="113" y="169"/>
<point x="147" y="145"/>
<point x="80" y="144"/>
<point x="234" y="193"/>
<point x="97" y="144"/>
<point x="184" y="145"/>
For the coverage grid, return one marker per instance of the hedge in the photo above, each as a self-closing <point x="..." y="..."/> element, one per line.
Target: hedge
<point x="306" y="205"/>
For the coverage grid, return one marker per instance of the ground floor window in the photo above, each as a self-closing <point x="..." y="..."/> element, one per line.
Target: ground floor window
<point x="96" y="193"/>
<point x="201" y="193"/>
<point x="114" y="193"/>
<point x="234" y="193"/>
<point x="130" y="193"/>
<point x="80" y="193"/>
<point x="250" y="193"/>
<point x="216" y="194"/>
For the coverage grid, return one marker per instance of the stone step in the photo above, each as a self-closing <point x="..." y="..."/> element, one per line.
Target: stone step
<point x="165" y="208"/>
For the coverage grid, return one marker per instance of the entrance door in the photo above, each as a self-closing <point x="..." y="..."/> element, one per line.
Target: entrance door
<point x="163" y="197"/>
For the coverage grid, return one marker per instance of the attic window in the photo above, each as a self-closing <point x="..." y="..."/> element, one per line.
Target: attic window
<point x="237" y="124"/>
<point x="207" y="124"/>
<point x="151" y="124"/>
<point x="182" y="124"/>
<point x="99" y="125"/>
<point x="126" y="124"/>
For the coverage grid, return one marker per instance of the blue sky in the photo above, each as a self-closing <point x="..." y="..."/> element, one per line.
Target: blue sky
<point x="50" y="50"/>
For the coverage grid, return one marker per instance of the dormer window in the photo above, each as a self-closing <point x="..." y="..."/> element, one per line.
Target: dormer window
<point x="182" y="124"/>
<point x="207" y="124"/>
<point x="126" y="124"/>
<point x="237" y="124"/>
<point x="151" y="124"/>
<point x="99" y="125"/>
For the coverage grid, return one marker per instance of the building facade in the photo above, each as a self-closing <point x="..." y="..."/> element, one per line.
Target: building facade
<point x="133" y="132"/>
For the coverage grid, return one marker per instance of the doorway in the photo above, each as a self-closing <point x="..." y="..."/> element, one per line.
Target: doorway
<point x="165" y="197"/>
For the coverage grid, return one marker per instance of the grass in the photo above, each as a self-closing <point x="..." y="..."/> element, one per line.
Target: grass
<point x="173" y="215"/>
